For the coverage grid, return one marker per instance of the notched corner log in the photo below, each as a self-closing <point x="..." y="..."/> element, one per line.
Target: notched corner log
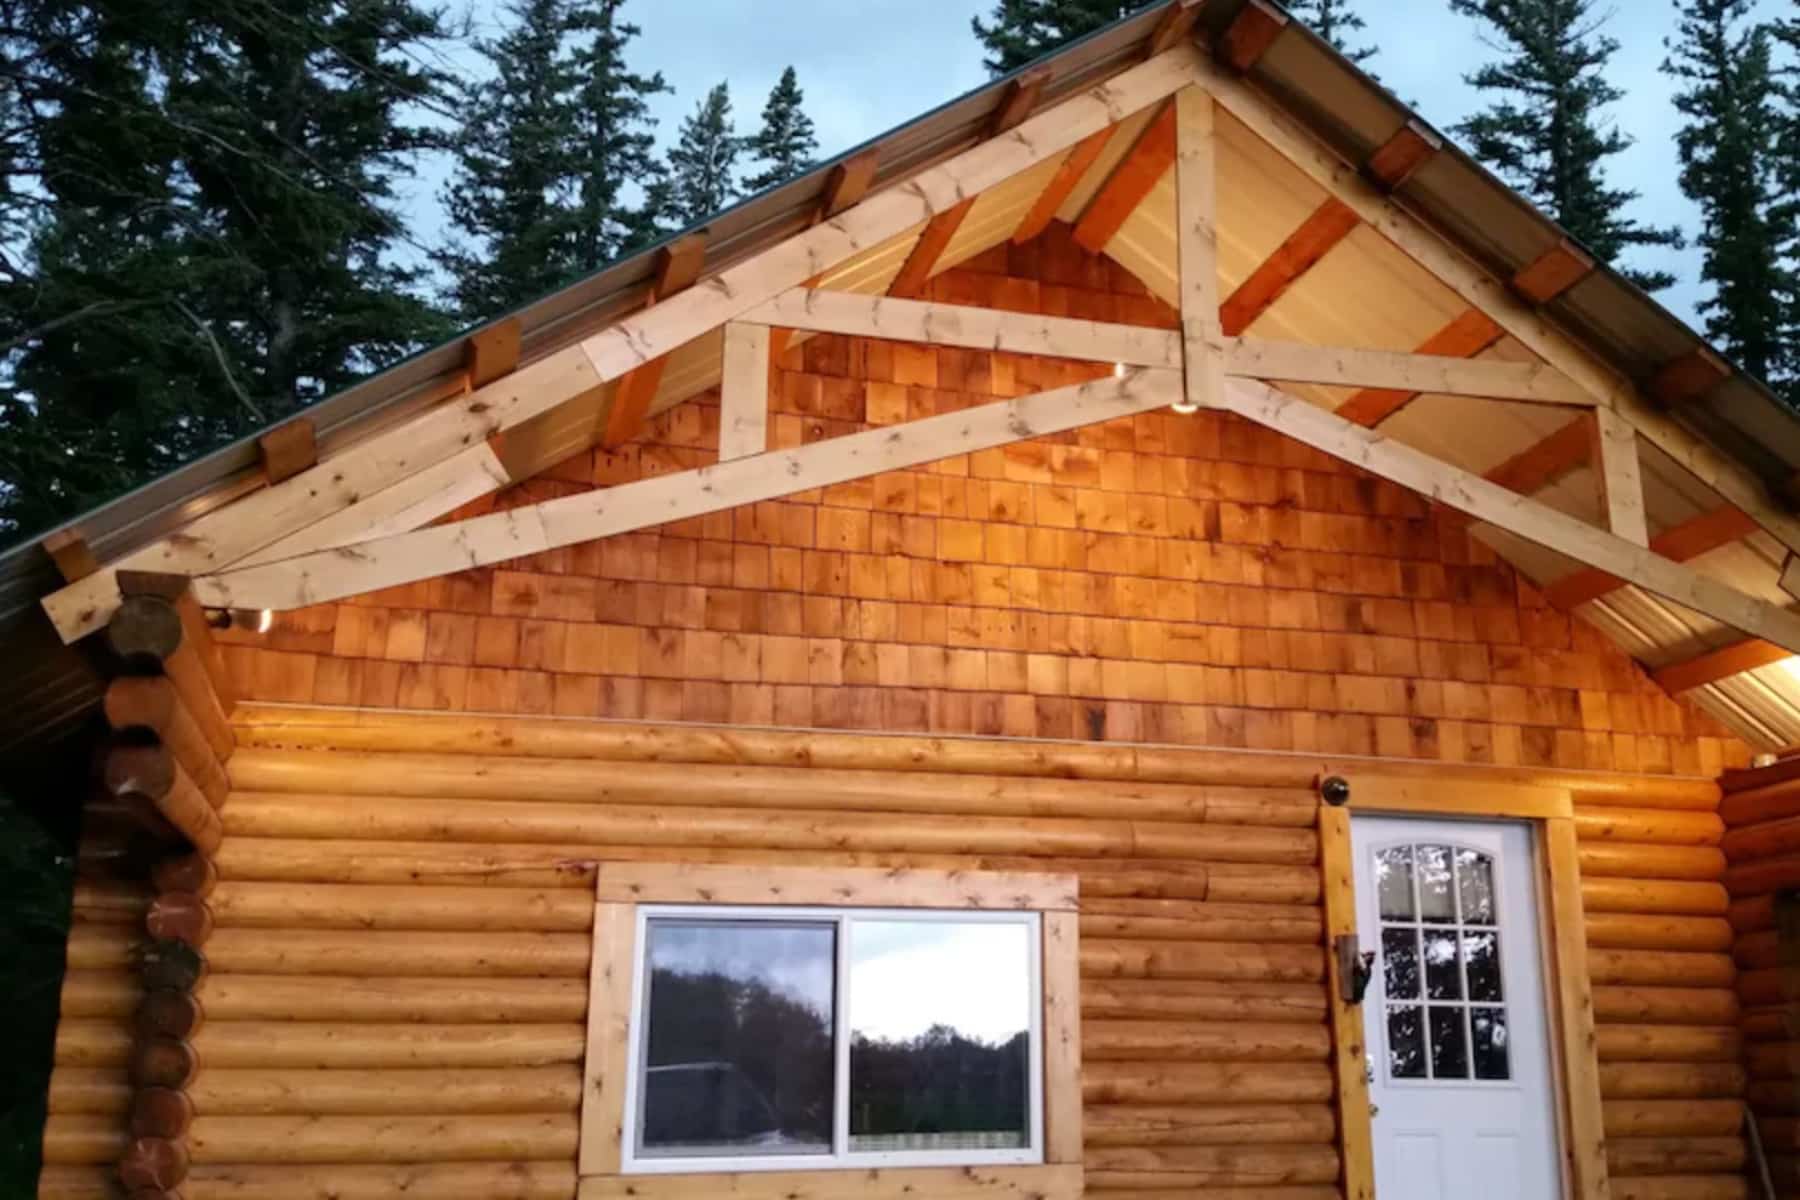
<point x="153" y="1163"/>
<point x="167" y="963"/>
<point x="180" y="917"/>
<point x="164" y="1062"/>
<point x="144" y="632"/>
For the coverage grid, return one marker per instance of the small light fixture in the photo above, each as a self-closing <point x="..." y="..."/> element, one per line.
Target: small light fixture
<point x="1184" y="406"/>
<point x="1118" y="370"/>
<point x="252" y="620"/>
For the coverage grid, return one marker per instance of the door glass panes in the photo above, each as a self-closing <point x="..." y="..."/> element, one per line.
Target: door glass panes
<point x="1440" y="945"/>
<point x="1394" y="882"/>
<point x="1437" y="897"/>
<point x="739" y="1054"/>
<point x="940" y="1036"/>
<point x="1406" y="1041"/>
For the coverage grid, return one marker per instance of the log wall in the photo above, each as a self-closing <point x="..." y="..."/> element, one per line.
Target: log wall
<point x="402" y="943"/>
<point x="1762" y="845"/>
<point x="89" y="1122"/>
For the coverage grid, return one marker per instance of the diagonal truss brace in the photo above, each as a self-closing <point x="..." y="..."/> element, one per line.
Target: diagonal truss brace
<point x="1519" y="515"/>
<point x="481" y="541"/>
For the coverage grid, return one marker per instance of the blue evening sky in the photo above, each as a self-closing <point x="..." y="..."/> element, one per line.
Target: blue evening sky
<point x="868" y="65"/>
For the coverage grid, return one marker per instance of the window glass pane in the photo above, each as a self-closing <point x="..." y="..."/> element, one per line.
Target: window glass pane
<point x="1475" y="884"/>
<point x="940" y="1035"/>
<point x="1489" y="1026"/>
<point x="1400" y="963"/>
<point x="1443" y="974"/>
<point x="1406" y="1043"/>
<point x="739" y="1047"/>
<point x="1449" y="1046"/>
<point x="1483" y="951"/>
<point x="1393" y="873"/>
<point x="1436" y="902"/>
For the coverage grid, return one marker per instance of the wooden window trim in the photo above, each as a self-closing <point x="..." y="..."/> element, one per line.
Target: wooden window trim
<point x="1568" y="985"/>
<point x="621" y="887"/>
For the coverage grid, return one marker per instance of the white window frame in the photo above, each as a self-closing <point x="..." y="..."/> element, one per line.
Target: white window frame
<point x="841" y="1156"/>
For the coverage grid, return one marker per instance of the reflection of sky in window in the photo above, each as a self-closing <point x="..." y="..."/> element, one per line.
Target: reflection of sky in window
<point x="791" y="958"/>
<point x="907" y="976"/>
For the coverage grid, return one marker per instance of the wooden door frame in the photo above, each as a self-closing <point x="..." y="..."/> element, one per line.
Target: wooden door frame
<point x="1562" y="930"/>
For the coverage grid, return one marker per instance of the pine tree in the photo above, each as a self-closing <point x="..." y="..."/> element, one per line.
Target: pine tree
<point x="1546" y="136"/>
<point x="516" y="174"/>
<point x="617" y="146"/>
<point x="1022" y="30"/>
<point x="217" y="242"/>
<point x="100" y="388"/>
<point x="1336" y="22"/>
<point x="1730" y="166"/>
<point x="785" y="145"/>
<point x="703" y="162"/>
<point x="1786" y="32"/>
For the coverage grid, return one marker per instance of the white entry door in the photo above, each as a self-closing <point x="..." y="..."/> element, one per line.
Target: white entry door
<point x="1459" y="1045"/>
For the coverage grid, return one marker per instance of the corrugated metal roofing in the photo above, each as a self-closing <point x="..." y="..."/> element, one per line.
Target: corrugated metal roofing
<point x="55" y="685"/>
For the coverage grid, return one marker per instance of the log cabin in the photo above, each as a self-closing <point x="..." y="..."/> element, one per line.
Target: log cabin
<point x="1154" y="633"/>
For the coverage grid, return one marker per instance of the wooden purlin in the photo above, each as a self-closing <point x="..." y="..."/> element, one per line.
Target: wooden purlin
<point x="916" y="271"/>
<point x="1680" y="543"/>
<point x="848" y="182"/>
<point x="1327" y="225"/>
<point x="1149" y="159"/>
<point x="1688" y="378"/>
<point x="1068" y="176"/>
<point x="922" y="262"/>
<point x="1393" y="162"/>
<point x="287" y="450"/>
<point x="1714" y="665"/>
<point x="1547" y="460"/>
<point x="1250" y="35"/>
<point x="69" y="550"/>
<point x="492" y="351"/>
<point x="1552" y="273"/>
<point x="678" y="266"/>
<point x="1467" y="335"/>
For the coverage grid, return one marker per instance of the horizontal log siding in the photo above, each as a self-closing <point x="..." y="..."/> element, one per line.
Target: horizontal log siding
<point x="392" y="969"/>
<point x="90" y="1091"/>
<point x="1666" y="1015"/>
<point x="1185" y="579"/>
<point x="402" y="944"/>
<point x="1761" y="810"/>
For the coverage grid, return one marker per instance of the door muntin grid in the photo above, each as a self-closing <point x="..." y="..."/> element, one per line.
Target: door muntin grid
<point x="1444" y="1000"/>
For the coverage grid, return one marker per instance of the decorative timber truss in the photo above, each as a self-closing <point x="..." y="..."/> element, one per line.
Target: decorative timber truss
<point x="364" y="517"/>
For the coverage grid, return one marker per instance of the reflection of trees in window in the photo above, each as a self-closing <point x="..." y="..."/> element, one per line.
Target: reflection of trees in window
<point x="781" y="1048"/>
<point x="940" y="1081"/>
